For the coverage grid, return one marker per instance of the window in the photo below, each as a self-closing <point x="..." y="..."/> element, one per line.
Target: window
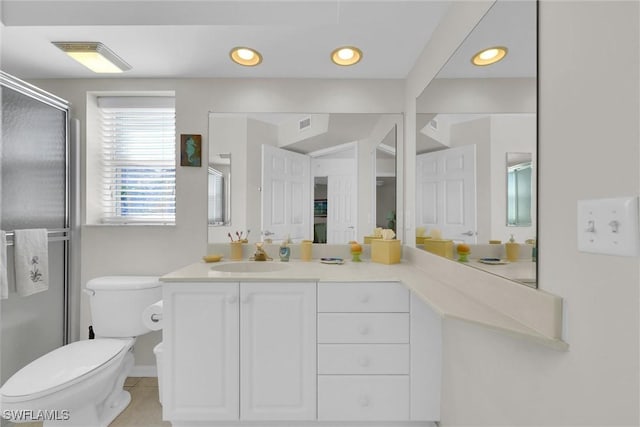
<point x="138" y="160"/>
<point x="216" y="197"/>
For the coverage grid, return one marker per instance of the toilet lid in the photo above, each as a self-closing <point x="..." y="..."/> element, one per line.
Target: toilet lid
<point x="63" y="365"/>
<point x="120" y="283"/>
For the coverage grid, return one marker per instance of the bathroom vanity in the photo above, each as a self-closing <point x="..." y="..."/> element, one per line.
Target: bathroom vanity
<point x="315" y="344"/>
<point x="285" y="346"/>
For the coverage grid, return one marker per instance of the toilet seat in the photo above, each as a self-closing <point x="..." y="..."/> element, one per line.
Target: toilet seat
<point x="63" y="367"/>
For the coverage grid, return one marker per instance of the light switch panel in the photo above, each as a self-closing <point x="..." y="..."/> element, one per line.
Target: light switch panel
<point x="609" y="226"/>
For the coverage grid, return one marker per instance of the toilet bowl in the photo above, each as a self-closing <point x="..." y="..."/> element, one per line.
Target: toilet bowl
<point x="81" y="384"/>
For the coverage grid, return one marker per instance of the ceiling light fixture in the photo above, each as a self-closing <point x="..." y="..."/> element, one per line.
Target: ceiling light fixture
<point x="346" y="55"/>
<point x="245" y="56"/>
<point x="95" y="56"/>
<point x="489" y="56"/>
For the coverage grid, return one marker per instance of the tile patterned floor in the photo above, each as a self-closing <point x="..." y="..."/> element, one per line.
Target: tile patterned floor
<point x="143" y="411"/>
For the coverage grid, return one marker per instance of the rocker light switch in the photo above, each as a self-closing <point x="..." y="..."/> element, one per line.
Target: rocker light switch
<point x="609" y="226"/>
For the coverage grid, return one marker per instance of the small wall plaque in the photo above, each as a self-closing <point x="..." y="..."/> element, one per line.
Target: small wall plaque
<point x="190" y="150"/>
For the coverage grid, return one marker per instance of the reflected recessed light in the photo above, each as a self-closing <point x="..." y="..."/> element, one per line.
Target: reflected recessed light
<point x="245" y="56"/>
<point x="489" y="56"/>
<point x="95" y="56"/>
<point x="346" y="55"/>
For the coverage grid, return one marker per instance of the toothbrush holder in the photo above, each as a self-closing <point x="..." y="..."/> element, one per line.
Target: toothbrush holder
<point x="236" y="251"/>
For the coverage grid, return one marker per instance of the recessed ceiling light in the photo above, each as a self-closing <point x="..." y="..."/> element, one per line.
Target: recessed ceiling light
<point x="346" y="55"/>
<point x="489" y="56"/>
<point x="245" y="56"/>
<point x="95" y="56"/>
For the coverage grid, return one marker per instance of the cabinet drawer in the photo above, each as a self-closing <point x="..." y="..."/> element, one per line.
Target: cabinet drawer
<point x="379" y="398"/>
<point x="363" y="328"/>
<point x="363" y="359"/>
<point x="363" y="297"/>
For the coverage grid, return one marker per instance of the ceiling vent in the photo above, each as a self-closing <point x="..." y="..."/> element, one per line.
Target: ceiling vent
<point x="304" y="124"/>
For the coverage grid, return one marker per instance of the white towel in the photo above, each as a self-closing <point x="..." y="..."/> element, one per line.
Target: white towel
<point x="4" y="279"/>
<point x="31" y="261"/>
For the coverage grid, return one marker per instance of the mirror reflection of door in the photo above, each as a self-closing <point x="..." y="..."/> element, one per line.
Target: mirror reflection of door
<point x="286" y="195"/>
<point x="446" y="190"/>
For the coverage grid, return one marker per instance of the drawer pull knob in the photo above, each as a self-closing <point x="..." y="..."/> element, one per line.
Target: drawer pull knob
<point x="364" y="330"/>
<point x="364" y="361"/>
<point x="364" y="298"/>
<point x="246" y="299"/>
<point x="232" y="299"/>
<point x="364" y="401"/>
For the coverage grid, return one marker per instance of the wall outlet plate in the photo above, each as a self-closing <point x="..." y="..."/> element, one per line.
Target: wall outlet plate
<point x="609" y="226"/>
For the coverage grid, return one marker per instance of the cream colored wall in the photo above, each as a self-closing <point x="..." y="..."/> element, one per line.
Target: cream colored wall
<point x="588" y="148"/>
<point x="158" y="250"/>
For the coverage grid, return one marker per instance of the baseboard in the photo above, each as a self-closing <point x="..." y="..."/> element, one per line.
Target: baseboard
<point x="144" y="371"/>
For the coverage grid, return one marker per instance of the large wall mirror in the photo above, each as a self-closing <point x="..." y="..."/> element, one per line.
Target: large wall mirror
<point x="326" y="177"/>
<point x="476" y="147"/>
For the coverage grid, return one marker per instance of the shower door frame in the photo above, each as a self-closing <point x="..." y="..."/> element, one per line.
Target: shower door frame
<point x="27" y="89"/>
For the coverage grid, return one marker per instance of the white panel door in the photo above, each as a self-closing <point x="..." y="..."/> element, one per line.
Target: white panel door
<point x="201" y="352"/>
<point x="286" y="194"/>
<point x="342" y="208"/>
<point x="446" y="192"/>
<point x="278" y="351"/>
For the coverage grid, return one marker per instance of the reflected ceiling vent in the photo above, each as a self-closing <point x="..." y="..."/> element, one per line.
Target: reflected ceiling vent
<point x="304" y="124"/>
<point x="433" y="124"/>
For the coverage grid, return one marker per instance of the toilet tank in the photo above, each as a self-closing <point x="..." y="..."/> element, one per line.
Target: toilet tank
<point x="117" y="303"/>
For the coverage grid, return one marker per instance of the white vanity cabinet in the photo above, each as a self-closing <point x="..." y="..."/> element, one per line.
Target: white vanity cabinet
<point x="378" y="354"/>
<point x="239" y="351"/>
<point x="277" y="351"/>
<point x="329" y="353"/>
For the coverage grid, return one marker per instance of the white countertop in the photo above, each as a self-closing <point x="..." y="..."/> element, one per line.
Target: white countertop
<point x="482" y="299"/>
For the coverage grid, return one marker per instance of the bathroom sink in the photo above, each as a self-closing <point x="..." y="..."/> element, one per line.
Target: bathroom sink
<point x="250" y="267"/>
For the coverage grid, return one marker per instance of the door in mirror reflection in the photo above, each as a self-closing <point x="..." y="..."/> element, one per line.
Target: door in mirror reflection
<point x="446" y="190"/>
<point x="286" y="195"/>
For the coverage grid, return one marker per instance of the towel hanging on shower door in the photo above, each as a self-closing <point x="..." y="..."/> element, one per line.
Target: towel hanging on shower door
<point x="31" y="261"/>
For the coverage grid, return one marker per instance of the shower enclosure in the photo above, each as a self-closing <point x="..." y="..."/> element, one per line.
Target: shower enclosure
<point x="35" y="188"/>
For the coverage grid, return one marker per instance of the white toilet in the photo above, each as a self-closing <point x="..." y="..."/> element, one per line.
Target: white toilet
<point x="81" y="384"/>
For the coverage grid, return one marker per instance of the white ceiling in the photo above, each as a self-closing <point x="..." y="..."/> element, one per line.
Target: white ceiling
<point x="512" y="24"/>
<point x="189" y="39"/>
<point x="168" y="38"/>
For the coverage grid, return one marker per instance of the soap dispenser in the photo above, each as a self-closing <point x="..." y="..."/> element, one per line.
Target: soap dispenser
<point x="513" y="249"/>
<point x="285" y="250"/>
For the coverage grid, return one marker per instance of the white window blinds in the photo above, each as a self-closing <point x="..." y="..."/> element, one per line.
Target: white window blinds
<point x="138" y="160"/>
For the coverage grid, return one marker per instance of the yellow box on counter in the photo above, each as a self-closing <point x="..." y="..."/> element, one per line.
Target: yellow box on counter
<point x="420" y="239"/>
<point x="385" y="251"/>
<point x="440" y="247"/>
<point x="368" y="239"/>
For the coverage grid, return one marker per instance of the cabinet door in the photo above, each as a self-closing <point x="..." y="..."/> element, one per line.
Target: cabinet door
<point x="278" y="351"/>
<point x="201" y="352"/>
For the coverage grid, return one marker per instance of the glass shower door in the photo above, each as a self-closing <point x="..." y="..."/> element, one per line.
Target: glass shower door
<point x="34" y="188"/>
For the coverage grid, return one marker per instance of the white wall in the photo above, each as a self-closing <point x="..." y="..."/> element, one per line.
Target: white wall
<point x="159" y="250"/>
<point x="588" y="139"/>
